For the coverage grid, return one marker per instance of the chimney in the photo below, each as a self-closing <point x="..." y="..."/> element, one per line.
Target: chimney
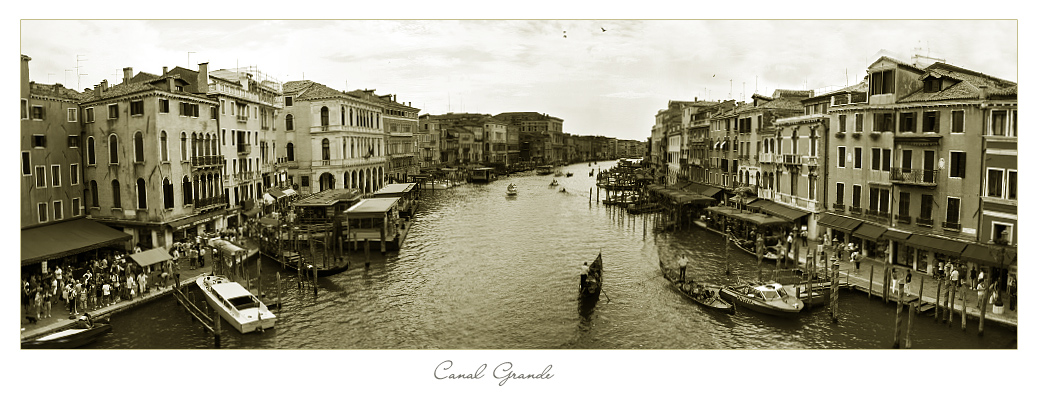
<point x="203" y="78"/>
<point x="983" y="92"/>
<point x="127" y="74"/>
<point x="165" y="70"/>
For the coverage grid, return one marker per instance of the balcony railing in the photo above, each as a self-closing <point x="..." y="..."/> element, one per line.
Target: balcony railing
<point x="244" y="149"/>
<point x="839" y="207"/>
<point x="766" y="158"/>
<point x="903" y="219"/>
<point x="952" y="226"/>
<point x="913" y="176"/>
<point x="207" y="160"/>
<point x="855" y="210"/>
<point x="243" y="118"/>
<point x="204" y="203"/>
<point x="791" y="160"/>
<point x="810" y="161"/>
<point x="923" y="221"/>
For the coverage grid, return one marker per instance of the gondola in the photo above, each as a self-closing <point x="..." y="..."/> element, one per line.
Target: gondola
<point x="712" y="302"/>
<point x="592" y="285"/>
<point x="85" y="334"/>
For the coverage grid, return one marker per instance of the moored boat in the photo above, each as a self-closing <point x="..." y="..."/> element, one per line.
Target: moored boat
<point x="544" y="170"/>
<point x="69" y="338"/>
<point x="706" y="295"/>
<point x="512" y="190"/>
<point x="554" y="183"/>
<point x="235" y="304"/>
<point x="768" y="298"/>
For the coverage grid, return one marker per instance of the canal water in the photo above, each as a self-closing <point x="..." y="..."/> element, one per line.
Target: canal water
<point x="482" y="270"/>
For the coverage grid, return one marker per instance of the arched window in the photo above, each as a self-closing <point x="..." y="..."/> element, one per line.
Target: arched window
<point x="164" y="147"/>
<point x="94" y="201"/>
<point x="117" y="201"/>
<point x="187" y="190"/>
<point x="194" y="145"/>
<point x="113" y="149"/>
<point x="342" y="115"/>
<point x="142" y="194"/>
<point x="325" y="152"/>
<point x="91" y="157"/>
<point x="794" y="142"/>
<point x="183" y="146"/>
<point x="290" y="152"/>
<point x="324" y="116"/>
<point x="814" y="143"/>
<point x="351" y="116"/>
<point x="167" y="194"/>
<point x="205" y="145"/>
<point x="138" y="147"/>
<point x="288" y="122"/>
<point x="378" y="120"/>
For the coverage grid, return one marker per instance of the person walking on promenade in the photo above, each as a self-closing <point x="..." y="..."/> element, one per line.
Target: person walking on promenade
<point x="201" y="256"/>
<point x="79" y="297"/>
<point x="955" y="276"/>
<point x="142" y="283"/>
<point x="980" y="279"/>
<point x="893" y="280"/>
<point x="58" y="278"/>
<point x="856" y="259"/>
<point x="682" y="265"/>
<point x="1011" y="284"/>
<point x="839" y="249"/>
<point x="106" y="293"/>
<point x="973" y="277"/>
<point x="131" y="286"/>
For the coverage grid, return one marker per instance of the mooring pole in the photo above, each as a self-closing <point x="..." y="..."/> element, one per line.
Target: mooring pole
<point x="983" y="305"/>
<point x="834" y="291"/>
<point x="964" y="308"/>
<point x="951" y="305"/>
<point x="937" y="302"/>
<point x="908" y="330"/>
<point x="872" y="272"/>
<point x="216" y="329"/>
<point x="897" y="319"/>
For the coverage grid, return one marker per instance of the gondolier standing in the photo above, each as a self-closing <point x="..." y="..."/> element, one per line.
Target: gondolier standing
<point x="682" y="265"/>
<point x="583" y="273"/>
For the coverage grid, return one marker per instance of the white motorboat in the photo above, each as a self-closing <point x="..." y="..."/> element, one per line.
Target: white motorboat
<point x="238" y="306"/>
<point x="512" y="190"/>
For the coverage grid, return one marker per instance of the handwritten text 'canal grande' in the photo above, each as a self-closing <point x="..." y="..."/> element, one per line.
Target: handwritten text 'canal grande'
<point x="503" y="371"/>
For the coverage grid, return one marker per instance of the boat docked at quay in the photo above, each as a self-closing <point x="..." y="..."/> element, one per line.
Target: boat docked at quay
<point x="234" y="303"/>
<point x="768" y="298"/>
<point x="708" y="295"/>
<point x="544" y="170"/>
<point x="86" y="333"/>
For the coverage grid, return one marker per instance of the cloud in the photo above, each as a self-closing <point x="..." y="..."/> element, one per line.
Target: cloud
<point x="628" y="95"/>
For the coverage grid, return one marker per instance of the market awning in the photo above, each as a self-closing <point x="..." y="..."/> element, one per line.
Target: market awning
<point x="837" y="222"/>
<point x="869" y="231"/>
<point x="988" y="255"/>
<point x="687" y="198"/>
<point x="151" y="257"/>
<point x="779" y="210"/>
<point x="945" y="246"/>
<point x="289" y="192"/>
<point x="275" y="193"/>
<point x="266" y="221"/>
<point x="67" y="238"/>
<point x="252" y="211"/>
<point x="195" y="219"/>
<point x="894" y="234"/>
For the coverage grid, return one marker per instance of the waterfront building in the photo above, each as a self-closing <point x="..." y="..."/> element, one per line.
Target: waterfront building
<point x="142" y="138"/>
<point x="400" y="122"/>
<point x="53" y="194"/>
<point x="532" y="122"/>
<point x="722" y="149"/>
<point x="923" y="171"/>
<point x="428" y="139"/>
<point x="331" y="139"/>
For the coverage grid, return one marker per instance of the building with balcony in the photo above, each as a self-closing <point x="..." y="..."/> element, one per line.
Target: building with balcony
<point x="142" y="140"/>
<point x="427" y="137"/>
<point x="331" y="139"/>
<point x="926" y="165"/>
<point x="532" y="122"/>
<point x="400" y="122"/>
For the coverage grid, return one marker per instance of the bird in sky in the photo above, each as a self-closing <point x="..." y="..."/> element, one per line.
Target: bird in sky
<point x="603" y="29"/>
<point x="563" y="34"/>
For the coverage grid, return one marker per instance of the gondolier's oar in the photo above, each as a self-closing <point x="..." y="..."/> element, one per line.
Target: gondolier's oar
<point x="608" y="299"/>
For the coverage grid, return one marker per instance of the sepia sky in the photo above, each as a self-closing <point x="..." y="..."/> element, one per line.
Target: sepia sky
<point x="608" y="83"/>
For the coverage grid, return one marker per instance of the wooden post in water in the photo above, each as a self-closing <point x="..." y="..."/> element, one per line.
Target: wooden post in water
<point x="216" y="328"/>
<point x="937" y="302"/>
<point x="277" y="277"/>
<point x="897" y="319"/>
<point x="983" y="304"/>
<point x="589" y="194"/>
<point x="964" y="308"/>
<point x="951" y="304"/>
<point x="921" y="280"/>
<point x="811" y="280"/>
<point x="367" y="251"/>
<point x="908" y="330"/>
<point x="886" y="283"/>
<point x="315" y="280"/>
<point x="872" y="271"/>
<point x="382" y="240"/>
<point x="834" y="291"/>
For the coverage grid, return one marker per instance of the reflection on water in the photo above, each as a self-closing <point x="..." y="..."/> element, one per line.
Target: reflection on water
<point x="482" y="270"/>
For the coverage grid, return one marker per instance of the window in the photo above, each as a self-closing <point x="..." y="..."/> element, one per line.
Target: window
<point x="25" y="109"/>
<point x="884" y="201"/>
<point x="932" y="85"/>
<point x="958" y="121"/>
<point x="997" y="127"/>
<point x="142" y="194"/>
<point x="952" y="216"/>
<point x="37" y="113"/>
<point x="113" y="149"/>
<point x="839" y="193"/>
<point x="859" y="122"/>
<point x="117" y="201"/>
<point x="91" y="158"/>
<point x="73" y="141"/>
<point x="857" y="157"/>
<point x="290" y="152"/>
<point x="843" y="123"/>
<point x="55" y="175"/>
<point x="189" y="110"/>
<point x="187" y="190"/>
<point x="886" y="159"/>
<point x="856" y="198"/>
<point x="1001" y="231"/>
<point x="304" y="181"/>
<point x="167" y="194"/>
<point x="958" y="165"/>
<point x="288" y="101"/>
<point x="73" y="174"/>
<point x="904" y="204"/>
<point x="73" y="115"/>
<point x="288" y="122"/>
<point x="874" y="199"/>
<point x="223" y="106"/>
<point x="113" y="111"/>
<point x="183" y="146"/>
<point x="876" y="157"/>
<point x="41" y="176"/>
<point x="841" y="157"/>
<point x="883" y="122"/>
<point x="138" y="147"/>
<point x="42" y="209"/>
<point x="1012" y="125"/>
<point x="907" y="124"/>
<point x="995" y="178"/>
<point x="881" y="82"/>
<point x="137" y="107"/>
<point x="164" y="106"/>
<point x="931" y="122"/>
<point x="906" y="159"/>
<point x="324" y="116"/>
<point x="1011" y="184"/>
<point x="94" y="201"/>
<point x="89" y="114"/>
<point x="212" y="112"/>
<point x="926" y="207"/>
<point x="26" y="163"/>
<point x="164" y="147"/>
<point x="75" y="207"/>
<point x="58" y="214"/>
<point x="39" y="141"/>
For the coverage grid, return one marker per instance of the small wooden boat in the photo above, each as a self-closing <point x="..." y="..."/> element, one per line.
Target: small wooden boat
<point x="592" y="284"/>
<point x="562" y="190"/>
<point x="558" y="173"/>
<point x="512" y="190"/>
<point x="769" y="299"/>
<point x="543" y="170"/>
<point x="708" y="295"/>
<point x="554" y="183"/>
<point x="569" y="174"/>
<point x="69" y="338"/>
<point x="235" y="304"/>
